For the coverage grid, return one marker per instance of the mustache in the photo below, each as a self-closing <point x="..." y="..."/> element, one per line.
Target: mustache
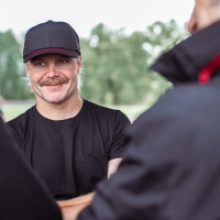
<point x="53" y="81"/>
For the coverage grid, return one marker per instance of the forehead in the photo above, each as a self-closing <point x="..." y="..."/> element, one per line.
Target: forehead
<point x="49" y="56"/>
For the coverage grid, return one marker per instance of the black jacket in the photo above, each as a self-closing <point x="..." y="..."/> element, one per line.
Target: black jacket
<point x="171" y="170"/>
<point x="22" y="196"/>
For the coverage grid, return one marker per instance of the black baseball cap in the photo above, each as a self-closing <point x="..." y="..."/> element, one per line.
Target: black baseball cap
<point x="51" y="37"/>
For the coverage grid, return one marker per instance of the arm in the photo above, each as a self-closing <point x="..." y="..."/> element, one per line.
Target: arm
<point x="118" y="143"/>
<point x="71" y="208"/>
<point x="76" y="201"/>
<point x="113" y="166"/>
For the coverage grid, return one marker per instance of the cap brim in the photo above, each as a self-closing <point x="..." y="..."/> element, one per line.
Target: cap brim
<point x="66" y="52"/>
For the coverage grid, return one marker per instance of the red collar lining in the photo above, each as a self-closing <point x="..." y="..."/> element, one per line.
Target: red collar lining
<point x="205" y="74"/>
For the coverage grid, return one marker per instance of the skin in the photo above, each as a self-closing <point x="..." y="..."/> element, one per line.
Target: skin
<point x="72" y="207"/>
<point x="205" y="13"/>
<point x="54" y="81"/>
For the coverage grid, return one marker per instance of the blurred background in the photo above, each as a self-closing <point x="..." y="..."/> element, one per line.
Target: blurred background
<point x="119" y="41"/>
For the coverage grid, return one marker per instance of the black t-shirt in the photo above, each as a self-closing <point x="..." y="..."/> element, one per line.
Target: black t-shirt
<point x="71" y="155"/>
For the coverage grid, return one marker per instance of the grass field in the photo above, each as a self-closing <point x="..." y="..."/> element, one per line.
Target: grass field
<point x="12" y="109"/>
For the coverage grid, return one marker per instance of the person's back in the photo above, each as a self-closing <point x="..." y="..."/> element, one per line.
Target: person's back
<point x="171" y="170"/>
<point x="1" y="111"/>
<point x="23" y="197"/>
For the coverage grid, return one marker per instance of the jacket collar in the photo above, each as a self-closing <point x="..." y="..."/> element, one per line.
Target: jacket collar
<point x="185" y="61"/>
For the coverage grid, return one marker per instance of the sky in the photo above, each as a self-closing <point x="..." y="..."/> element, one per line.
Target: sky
<point x="83" y="15"/>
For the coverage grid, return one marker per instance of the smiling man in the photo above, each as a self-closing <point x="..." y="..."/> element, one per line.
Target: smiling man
<point x="71" y="142"/>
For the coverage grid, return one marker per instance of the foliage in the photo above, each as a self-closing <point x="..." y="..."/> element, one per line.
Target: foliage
<point x="11" y="73"/>
<point x="116" y="65"/>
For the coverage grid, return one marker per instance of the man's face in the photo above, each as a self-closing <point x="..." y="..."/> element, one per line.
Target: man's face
<point x="53" y="77"/>
<point x="205" y="13"/>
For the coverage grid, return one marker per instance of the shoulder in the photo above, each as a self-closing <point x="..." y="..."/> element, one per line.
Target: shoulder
<point x="192" y="100"/>
<point x="187" y="99"/>
<point x="106" y="112"/>
<point x="184" y="107"/>
<point x="20" y="120"/>
<point x="100" y="108"/>
<point x="18" y="125"/>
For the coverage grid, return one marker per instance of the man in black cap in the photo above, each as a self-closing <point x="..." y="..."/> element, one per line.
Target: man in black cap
<point x="71" y="142"/>
<point x="23" y="197"/>
<point x="171" y="170"/>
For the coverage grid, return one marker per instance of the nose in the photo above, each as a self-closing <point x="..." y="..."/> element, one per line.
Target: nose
<point x="52" y="70"/>
<point x="192" y="25"/>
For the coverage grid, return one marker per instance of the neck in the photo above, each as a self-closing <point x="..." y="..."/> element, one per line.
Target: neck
<point x="60" y="111"/>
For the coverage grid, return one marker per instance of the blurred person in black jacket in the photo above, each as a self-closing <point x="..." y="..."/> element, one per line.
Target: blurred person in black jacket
<point x="171" y="170"/>
<point x="23" y="196"/>
<point x="1" y="111"/>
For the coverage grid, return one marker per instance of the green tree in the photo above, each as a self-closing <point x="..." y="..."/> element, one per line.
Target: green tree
<point x="115" y="64"/>
<point x="12" y="71"/>
<point x="112" y="66"/>
<point x="160" y="38"/>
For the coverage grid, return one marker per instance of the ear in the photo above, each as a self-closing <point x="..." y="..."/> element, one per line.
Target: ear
<point x="79" y="63"/>
<point x="27" y="65"/>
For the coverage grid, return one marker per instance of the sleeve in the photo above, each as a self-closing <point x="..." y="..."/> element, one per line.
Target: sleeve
<point x="118" y="146"/>
<point x="23" y="197"/>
